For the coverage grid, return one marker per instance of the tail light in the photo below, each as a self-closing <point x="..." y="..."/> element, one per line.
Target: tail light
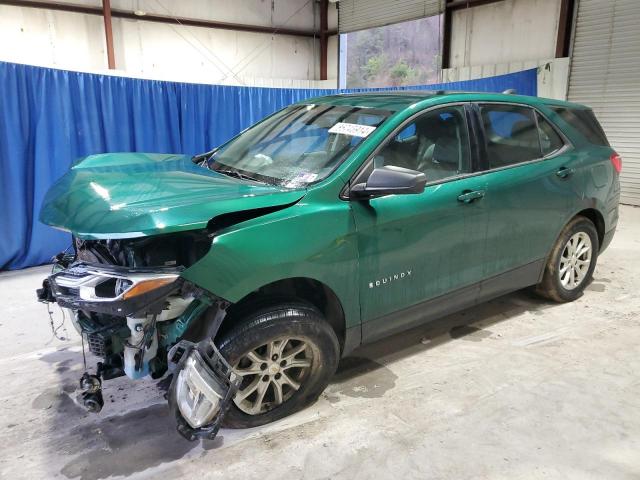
<point x="616" y="161"/>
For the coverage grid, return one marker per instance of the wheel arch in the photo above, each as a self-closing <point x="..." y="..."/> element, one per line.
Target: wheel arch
<point x="597" y="219"/>
<point x="306" y="289"/>
<point x="592" y="214"/>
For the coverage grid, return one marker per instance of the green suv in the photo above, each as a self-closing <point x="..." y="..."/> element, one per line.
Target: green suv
<point x="248" y="271"/>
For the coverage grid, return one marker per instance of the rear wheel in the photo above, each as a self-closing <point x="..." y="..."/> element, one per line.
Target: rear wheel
<point x="571" y="262"/>
<point x="285" y="353"/>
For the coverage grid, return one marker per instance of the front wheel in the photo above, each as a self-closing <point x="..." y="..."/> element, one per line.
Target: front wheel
<point x="571" y="262"/>
<point x="285" y="353"/>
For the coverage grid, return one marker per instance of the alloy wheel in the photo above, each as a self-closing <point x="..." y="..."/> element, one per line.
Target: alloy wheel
<point x="272" y="373"/>
<point x="575" y="260"/>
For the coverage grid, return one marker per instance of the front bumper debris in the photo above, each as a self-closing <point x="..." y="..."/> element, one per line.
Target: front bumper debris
<point x="118" y="311"/>
<point x="202" y="389"/>
<point x="130" y="318"/>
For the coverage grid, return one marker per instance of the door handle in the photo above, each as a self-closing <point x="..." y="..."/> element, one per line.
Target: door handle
<point x="469" y="196"/>
<point x="564" y="172"/>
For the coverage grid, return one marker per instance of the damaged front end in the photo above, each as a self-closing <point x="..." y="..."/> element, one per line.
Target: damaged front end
<point x="134" y="311"/>
<point x="140" y="221"/>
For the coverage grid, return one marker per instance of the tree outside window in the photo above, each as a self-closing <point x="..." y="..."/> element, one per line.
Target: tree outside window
<point x="406" y="53"/>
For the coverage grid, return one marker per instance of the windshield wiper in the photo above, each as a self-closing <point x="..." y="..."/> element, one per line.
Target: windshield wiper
<point x="237" y="174"/>
<point x="201" y="157"/>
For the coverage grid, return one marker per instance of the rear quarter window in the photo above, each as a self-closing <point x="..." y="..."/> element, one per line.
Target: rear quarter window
<point x="585" y="122"/>
<point x="550" y="141"/>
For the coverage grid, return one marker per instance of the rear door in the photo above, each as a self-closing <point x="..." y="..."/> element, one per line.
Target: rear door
<point x="531" y="183"/>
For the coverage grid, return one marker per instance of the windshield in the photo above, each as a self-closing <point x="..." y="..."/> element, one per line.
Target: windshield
<point x="298" y="145"/>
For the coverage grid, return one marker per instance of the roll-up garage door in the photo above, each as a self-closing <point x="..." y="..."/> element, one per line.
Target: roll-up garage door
<point x="360" y="14"/>
<point x="605" y="74"/>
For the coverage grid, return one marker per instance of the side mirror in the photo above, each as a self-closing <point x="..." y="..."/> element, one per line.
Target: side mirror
<point x="390" y="180"/>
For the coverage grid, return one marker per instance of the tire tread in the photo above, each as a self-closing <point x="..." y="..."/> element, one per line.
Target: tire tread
<point x="550" y="287"/>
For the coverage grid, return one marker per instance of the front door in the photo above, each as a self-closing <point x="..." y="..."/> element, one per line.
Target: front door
<point x="415" y="248"/>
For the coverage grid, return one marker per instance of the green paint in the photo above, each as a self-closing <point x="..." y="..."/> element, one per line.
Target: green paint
<point x="122" y="195"/>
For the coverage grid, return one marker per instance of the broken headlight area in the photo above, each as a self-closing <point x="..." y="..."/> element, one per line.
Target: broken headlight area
<point x="111" y="289"/>
<point x="121" y="313"/>
<point x="202" y="388"/>
<point x="181" y="249"/>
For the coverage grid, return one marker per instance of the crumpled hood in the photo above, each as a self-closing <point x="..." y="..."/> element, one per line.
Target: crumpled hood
<point x="122" y="195"/>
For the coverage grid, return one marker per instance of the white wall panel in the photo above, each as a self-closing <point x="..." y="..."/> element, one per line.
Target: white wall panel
<point x="173" y="52"/>
<point x="553" y="74"/>
<point x="252" y="12"/>
<point x="295" y="13"/>
<point x="51" y="38"/>
<point x="503" y="32"/>
<point x="205" y="54"/>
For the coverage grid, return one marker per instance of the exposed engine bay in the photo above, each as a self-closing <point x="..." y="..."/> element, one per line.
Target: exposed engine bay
<point x="135" y="312"/>
<point x="181" y="249"/>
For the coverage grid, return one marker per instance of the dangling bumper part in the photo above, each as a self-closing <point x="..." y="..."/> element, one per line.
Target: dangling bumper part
<point x="202" y="389"/>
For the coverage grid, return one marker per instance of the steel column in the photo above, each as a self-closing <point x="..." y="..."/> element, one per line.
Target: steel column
<point x="108" y="32"/>
<point x="324" y="38"/>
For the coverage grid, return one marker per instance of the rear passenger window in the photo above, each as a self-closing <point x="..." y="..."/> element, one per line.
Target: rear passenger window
<point x="550" y="141"/>
<point x="511" y="134"/>
<point x="585" y="122"/>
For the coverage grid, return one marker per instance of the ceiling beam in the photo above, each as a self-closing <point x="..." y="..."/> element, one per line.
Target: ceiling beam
<point x="458" y="4"/>
<point x="150" y="17"/>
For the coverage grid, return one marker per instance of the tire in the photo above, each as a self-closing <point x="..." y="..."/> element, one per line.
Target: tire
<point x="283" y="327"/>
<point x="559" y="283"/>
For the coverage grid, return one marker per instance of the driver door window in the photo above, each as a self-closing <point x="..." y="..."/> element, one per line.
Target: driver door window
<point x="436" y="143"/>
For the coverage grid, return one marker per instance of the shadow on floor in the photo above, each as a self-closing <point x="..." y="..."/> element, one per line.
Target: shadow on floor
<point x="366" y="360"/>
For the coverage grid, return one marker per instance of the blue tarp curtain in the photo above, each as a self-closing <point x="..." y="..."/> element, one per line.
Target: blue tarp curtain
<point x="49" y="118"/>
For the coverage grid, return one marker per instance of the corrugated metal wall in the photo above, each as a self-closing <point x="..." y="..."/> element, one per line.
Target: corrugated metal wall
<point x="360" y="14"/>
<point x="605" y="74"/>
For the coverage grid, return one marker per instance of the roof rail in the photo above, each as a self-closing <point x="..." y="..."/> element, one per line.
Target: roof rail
<point x="510" y="91"/>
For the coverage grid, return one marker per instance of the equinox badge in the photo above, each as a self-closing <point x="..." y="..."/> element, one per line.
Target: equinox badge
<point x="391" y="278"/>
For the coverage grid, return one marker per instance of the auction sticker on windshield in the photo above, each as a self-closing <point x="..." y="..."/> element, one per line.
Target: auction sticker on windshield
<point x="352" y="129"/>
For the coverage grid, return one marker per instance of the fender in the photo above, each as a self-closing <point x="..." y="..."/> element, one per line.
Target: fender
<point x="316" y="242"/>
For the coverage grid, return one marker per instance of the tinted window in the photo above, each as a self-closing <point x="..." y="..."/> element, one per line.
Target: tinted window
<point x="584" y="121"/>
<point x="511" y="134"/>
<point x="550" y="141"/>
<point x="436" y="143"/>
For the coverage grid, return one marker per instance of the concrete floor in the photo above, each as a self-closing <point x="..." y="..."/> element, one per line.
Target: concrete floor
<point x="516" y="388"/>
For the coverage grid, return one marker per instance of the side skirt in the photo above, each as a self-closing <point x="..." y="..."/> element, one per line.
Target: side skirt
<point x="352" y="339"/>
<point x="452" y="302"/>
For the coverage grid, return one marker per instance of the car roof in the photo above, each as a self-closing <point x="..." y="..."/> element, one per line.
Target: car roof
<point x="389" y="100"/>
<point x="401" y="99"/>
